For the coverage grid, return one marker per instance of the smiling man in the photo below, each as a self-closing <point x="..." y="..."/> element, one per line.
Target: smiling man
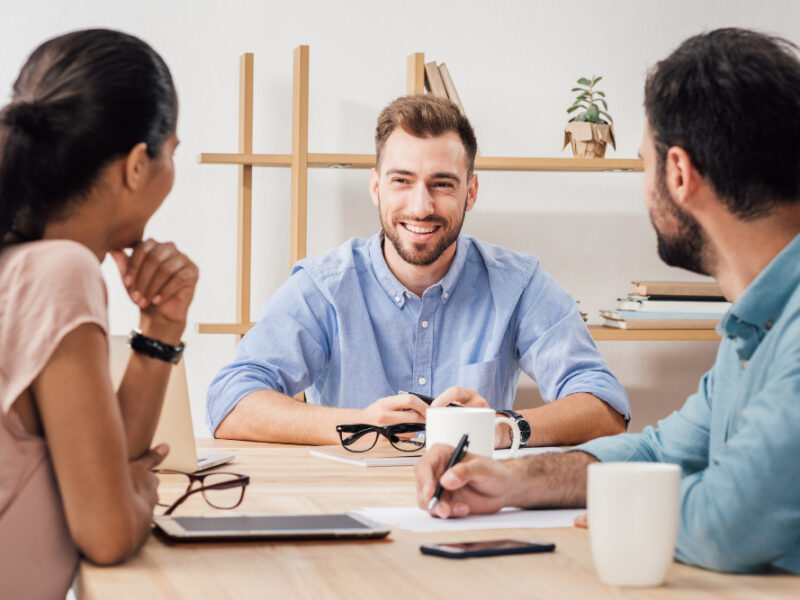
<point x="417" y="307"/>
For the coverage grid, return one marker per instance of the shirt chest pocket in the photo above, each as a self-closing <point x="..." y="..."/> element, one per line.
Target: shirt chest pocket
<point x="482" y="377"/>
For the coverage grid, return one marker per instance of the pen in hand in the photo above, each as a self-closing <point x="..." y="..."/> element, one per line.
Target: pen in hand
<point x="458" y="454"/>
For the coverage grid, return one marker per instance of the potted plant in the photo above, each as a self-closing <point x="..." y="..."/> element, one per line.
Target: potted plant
<point x="587" y="131"/>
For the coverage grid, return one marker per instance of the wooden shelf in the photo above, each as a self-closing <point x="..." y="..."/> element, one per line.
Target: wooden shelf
<point x="598" y="332"/>
<point x="482" y="163"/>
<point x="299" y="160"/>
<point x="601" y="333"/>
<point x="223" y="328"/>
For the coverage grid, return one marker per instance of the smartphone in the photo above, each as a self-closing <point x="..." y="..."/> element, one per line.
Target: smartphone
<point x="426" y="399"/>
<point x="487" y="548"/>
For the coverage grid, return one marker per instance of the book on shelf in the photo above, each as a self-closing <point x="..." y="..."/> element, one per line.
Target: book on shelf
<point x="648" y="304"/>
<point x="668" y="305"/>
<point x="637" y="315"/>
<point x="678" y="288"/>
<point x="382" y="455"/>
<point x="433" y="80"/>
<point x="661" y="323"/>
<point x="450" y="87"/>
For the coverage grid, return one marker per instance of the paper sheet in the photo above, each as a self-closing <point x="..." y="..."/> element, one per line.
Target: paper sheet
<point x="416" y="519"/>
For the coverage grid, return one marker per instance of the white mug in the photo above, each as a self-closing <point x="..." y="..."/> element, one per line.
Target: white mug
<point x="446" y="425"/>
<point x="633" y="520"/>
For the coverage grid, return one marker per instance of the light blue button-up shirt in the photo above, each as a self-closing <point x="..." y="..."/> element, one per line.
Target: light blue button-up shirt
<point x="346" y="331"/>
<point x="737" y="439"/>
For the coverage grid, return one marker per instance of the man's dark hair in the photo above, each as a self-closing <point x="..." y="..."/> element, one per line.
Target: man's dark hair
<point x="731" y="99"/>
<point x="425" y="116"/>
<point x="81" y="100"/>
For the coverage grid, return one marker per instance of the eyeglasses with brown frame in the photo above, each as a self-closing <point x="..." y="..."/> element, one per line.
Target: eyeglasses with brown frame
<point x="220" y="489"/>
<point x="360" y="437"/>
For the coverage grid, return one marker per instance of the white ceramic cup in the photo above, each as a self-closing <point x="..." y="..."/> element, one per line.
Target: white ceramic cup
<point x="633" y="520"/>
<point x="446" y="425"/>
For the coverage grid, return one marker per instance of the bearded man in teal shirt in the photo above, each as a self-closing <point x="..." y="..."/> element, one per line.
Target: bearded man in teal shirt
<point x="722" y="185"/>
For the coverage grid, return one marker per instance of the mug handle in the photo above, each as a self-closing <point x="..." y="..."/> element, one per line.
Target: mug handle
<point x="515" y="434"/>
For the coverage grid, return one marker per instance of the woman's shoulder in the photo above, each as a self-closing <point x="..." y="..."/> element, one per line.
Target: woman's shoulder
<point x="49" y="265"/>
<point x="49" y="255"/>
<point x="51" y="278"/>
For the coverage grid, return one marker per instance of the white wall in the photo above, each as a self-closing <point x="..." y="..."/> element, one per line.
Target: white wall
<point x="513" y="63"/>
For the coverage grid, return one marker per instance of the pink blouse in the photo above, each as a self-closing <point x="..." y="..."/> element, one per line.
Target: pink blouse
<point x="47" y="289"/>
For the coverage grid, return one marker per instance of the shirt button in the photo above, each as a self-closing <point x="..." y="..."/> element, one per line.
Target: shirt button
<point x="445" y="295"/>
<point x="424" y="324"/>
<point x="745" y="363"/>
<point x="768" y="325"/>
<point x="408" y="294"/>
<point x="397" y="298"/>
<point x="421" y="381"/>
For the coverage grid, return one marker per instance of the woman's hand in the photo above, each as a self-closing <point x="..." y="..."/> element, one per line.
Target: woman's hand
<point x="160" y="280"/>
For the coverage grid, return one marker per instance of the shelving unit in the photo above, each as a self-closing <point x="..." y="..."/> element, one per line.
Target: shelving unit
<point x="300" y="160"/>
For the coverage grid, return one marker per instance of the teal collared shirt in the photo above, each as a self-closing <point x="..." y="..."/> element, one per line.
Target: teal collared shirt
<point x="737" y="439"/>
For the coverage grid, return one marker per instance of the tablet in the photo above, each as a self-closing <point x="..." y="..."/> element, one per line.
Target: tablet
<point x="268" y="527"/>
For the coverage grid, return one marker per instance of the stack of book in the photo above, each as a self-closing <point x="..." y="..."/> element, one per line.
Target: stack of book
<point x="668" y="305"/>
<point x="439" y="83"/>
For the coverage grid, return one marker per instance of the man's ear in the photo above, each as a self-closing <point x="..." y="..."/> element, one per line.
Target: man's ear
<point x="682" y="177"/>
<point x="136" y="167"/>
<point x="472" y="191"/>
<point x="374" y="180"/>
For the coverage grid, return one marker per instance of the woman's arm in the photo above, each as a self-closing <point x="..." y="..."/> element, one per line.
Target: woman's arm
<point x="161" y="281"/>
<point x="108" y="499"/>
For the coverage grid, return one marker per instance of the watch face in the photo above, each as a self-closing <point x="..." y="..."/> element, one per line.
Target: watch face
<point x="522" y="423"/>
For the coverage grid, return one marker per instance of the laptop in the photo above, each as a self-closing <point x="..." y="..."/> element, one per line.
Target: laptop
<point x="175" y="424"/>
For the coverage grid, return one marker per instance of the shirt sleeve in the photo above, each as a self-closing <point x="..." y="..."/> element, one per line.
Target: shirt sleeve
<point x="557" y="350"/>
<point x="736" y="511"/>
<point x="682" y="438"/>
<point x="284" y="351"/>
<point x="741" y="513"/>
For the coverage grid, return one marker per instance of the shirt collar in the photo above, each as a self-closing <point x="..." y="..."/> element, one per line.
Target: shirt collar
<point x="762" y="302"/>
<point x="396" y="290"/>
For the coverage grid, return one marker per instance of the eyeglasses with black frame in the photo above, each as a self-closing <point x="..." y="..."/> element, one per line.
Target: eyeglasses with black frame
<point x="220" y="489"/>
<point x="360" y="437"/>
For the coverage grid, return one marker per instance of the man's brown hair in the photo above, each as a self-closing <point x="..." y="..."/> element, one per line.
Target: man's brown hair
<point x="425" y="116"/>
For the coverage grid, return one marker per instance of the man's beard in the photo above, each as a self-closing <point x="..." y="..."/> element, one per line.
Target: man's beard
<point x="422" y="254"/>
<point x="687" y="249"/>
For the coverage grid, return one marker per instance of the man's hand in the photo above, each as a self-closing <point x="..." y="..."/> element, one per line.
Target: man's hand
<point x="462" y="396"/>
<point x="402" y="408"/>
<point x="160" y="280"/>
<point x="476" y="485"/>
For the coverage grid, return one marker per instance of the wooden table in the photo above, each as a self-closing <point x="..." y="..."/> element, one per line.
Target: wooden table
<point x="286" y="479"/>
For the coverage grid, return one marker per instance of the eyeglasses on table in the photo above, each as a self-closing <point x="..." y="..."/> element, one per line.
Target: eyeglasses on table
<point x="220" y="489"/>
<point x="360" y="437"/>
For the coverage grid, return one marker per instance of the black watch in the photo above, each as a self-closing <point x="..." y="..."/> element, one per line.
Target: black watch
<point x="522" y="423"/>
<point x="155" y="348"/>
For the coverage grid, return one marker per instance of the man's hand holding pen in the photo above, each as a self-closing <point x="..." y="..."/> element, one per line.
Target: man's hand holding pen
<point x="476" y="485"/>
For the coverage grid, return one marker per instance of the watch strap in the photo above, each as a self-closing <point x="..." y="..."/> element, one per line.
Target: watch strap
<point x="154" y="348"/>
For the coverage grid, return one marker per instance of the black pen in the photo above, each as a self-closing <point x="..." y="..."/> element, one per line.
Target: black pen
<point x="426" y="399"/>
<point x="458" y="454"/>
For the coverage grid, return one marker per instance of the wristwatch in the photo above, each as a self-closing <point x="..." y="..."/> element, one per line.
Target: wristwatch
<point x="522" y="423"/>
<point x="155" y="348"/>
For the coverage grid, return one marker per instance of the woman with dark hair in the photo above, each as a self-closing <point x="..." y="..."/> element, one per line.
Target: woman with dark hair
<point x="86" y="148"/>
